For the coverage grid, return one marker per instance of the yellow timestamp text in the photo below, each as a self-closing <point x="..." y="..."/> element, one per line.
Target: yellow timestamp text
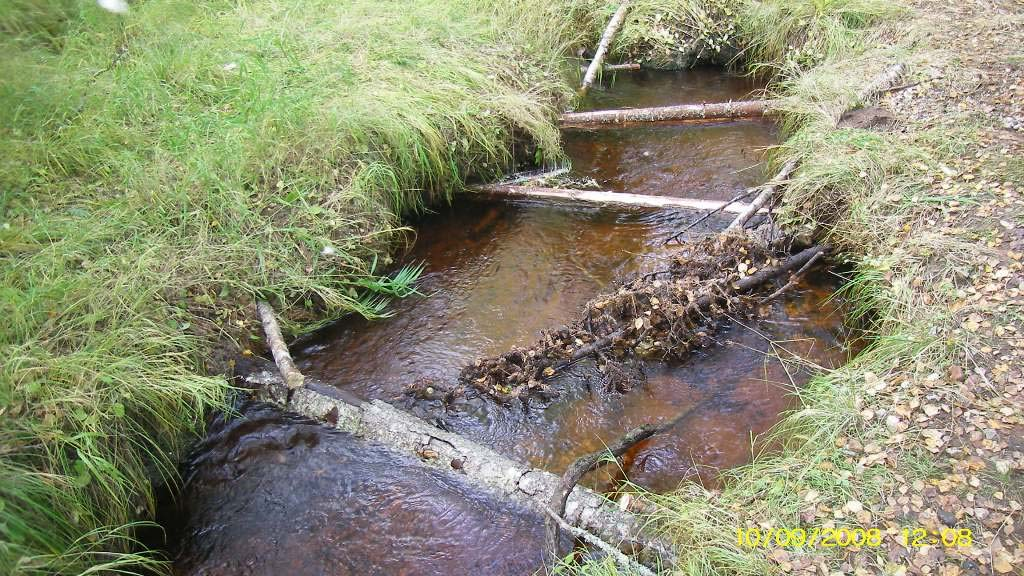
<point x="816" y="537"/>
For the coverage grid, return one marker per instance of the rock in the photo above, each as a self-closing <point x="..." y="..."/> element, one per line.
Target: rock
<point x="868" y="119"/>
<point x="947" y="518"/>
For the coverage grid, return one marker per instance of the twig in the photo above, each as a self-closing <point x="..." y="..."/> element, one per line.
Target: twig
<point x="289" y="372"/>
<point x="616" y="554"/>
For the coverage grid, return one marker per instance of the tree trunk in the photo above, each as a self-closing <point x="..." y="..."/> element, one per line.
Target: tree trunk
<point x="605" y="198"/>
<point x="602" y="47"/>
<point x="713" y="112"/>
<point x="615" y="67"/>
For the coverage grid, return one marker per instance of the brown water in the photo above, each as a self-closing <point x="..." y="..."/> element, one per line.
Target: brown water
<point x="269" y="494"/>
<point x="278" y="495"/>
<point x="712" y="161"/>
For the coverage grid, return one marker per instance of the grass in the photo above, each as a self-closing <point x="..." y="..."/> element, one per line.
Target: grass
<point x="160" y="171"/>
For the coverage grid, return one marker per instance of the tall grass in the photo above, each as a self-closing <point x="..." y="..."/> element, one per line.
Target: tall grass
<point x="160" y="171"/>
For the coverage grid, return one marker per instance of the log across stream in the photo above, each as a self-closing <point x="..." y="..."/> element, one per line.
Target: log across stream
<point x="274" y="494"/>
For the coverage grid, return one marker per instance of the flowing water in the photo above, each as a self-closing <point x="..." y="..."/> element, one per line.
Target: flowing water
<point x="713" y="161"/>
<point x="270" y="494"/>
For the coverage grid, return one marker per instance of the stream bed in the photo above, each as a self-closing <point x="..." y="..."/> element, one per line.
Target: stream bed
<point x="267" y="493"/>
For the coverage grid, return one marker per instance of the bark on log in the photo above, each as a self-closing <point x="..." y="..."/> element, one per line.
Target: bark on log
<point x="382" y="423"/>
<point x="711" y="112"/>
<point x="289" y="372"/>
<point x="605" y="197"/>
<point x="614" y="67"/>
<point x="602" y="47"/>
<point x="766" y="194"/>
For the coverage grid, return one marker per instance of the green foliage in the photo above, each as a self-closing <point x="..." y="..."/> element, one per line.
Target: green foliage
<point x="802" y="33"/>
<point x="162" y="170"/>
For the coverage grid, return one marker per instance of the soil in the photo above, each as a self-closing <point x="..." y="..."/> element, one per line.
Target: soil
<point x="868" y="119"/>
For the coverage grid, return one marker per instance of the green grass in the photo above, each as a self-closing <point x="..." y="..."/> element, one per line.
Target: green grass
<point x="161" y="171"/>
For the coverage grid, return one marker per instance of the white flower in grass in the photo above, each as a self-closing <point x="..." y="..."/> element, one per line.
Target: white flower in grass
<point x="328" y="250"/>
<point x="115" y="6"/>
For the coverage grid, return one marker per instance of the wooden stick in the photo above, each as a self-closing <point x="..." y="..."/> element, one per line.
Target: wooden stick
<point x="766" y="193"/>
<point x="602" y="47"/>
<point x="709" y="112"/>
<point x="615" y="67"/>
<point x="289" y="372"/>
<point x="602" y="197"/>
<point x="621" y="559"/>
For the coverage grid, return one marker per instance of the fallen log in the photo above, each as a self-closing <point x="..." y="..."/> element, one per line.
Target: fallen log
<point x="711" y="112"/>
<point x="602" y="46"/>
<point x="605" y="198"/>
<point x="278" y="348"/>
<point x="615" y="67"/>
<point x="380" y="422"/>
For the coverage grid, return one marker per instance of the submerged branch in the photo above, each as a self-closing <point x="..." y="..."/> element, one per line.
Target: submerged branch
<point x="594" y="460"/>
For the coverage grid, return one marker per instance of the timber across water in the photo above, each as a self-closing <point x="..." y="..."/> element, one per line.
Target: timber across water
<point x="399" y="431"/>
<point x="709" y="112"/>
<point x="606" y="198"/>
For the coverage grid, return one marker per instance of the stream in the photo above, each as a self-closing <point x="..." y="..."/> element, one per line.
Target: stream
<point x="269" y="493"/>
